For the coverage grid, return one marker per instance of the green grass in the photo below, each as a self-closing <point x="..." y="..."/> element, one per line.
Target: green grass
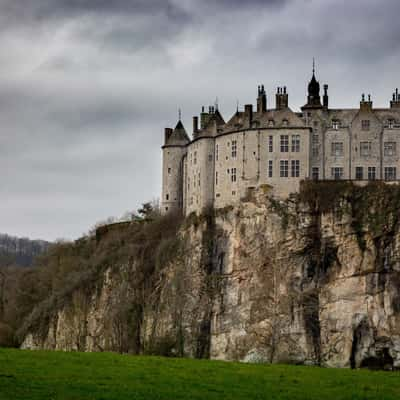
<point x="57" y="375"/>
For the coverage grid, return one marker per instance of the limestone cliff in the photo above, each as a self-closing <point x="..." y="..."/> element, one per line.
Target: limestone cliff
<point x="314" y="279"/>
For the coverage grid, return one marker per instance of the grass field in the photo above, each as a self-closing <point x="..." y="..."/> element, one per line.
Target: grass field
<point x="57" y="375"/>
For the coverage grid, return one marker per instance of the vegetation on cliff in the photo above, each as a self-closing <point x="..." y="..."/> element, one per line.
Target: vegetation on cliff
<point x="72" y="271"/>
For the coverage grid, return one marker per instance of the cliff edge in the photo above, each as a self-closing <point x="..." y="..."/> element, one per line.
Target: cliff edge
<point x="314" y="279"/>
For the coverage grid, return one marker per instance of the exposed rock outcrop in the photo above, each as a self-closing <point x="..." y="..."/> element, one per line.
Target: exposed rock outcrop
<point x="313" y="280"/>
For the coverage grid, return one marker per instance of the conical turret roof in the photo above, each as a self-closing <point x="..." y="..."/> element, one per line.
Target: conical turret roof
<point x="179" y="135"/>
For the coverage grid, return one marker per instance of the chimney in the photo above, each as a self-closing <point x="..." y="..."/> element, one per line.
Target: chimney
<point x="261" y="100"/>
<point x="282" y="98"/>
<point x="248" y="112"/>
<point x="195" y="126"/>
<point x="326" y="97"/>
<point x="395" y="103"/>
<point x="365" y="105"/>
<point x="167" y="134"/>
<point x="203" y="118"/>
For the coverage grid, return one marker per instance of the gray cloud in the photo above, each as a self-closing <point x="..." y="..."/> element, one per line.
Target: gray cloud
<point x="86" y="88"/>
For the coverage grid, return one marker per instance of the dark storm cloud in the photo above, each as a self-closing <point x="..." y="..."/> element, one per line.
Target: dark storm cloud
<point x="86" y="88"/>
<point x="42" y="10"/>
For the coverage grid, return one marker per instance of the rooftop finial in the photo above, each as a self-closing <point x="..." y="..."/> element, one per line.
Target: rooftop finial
<point x="237" y="105"/>
<point x="179" y="114"/>
<point x="216" y="103"/>
<point x="313" y="65"/>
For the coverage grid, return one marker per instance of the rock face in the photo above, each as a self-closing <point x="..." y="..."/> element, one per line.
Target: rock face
<point x="312" y="280"/>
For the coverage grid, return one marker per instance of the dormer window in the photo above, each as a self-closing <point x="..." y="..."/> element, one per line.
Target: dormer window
<point x="365" y="124"/>
<point x="391" y="123"/>
<point x="285" y="122"/>
<point x="335" y="124"/>
<point x="271" y="122"/>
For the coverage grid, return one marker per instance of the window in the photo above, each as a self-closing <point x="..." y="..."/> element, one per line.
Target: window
<point x="199" y="179"/>
<point x="188" y="183"/>
<point x="216" y="152"/>
<point x="390" y="173"/>
<point x="284" y="168"/>
<point x="295" y="168"/>
<point x="195" y="158"/>
<point x="337" y="149"/>
<point x="295" y="143"/>
<point x="169" y="170"/>
<point x="284" y="143"/>
<point x="365" y="124"/>
<point x="216" y="178"/>
<point x="167" y="197"/>
<point x="365" y="149"/>
<point x="315" y="173"/>
<point x="335" y="124"/>
<point x="285" y="122"/>
<point x="234" y="148"/>
<point x="337" y="173"/>
<point x="391" y="123"/>
<point x="271" y="122"/>
<point x="210" y="157"/>
<point x="270" y="168"/>
<point x="233" y="174"/>
<point x="389" y="149"/>
<point x="359" y="173"/>
<point x="371" y="173"/>
<point x="270" y="144"/>
<point x="315" y="145"/>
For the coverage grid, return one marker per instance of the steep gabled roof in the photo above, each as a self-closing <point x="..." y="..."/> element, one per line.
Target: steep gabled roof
<point x="215" y="121"/>
<point x="236" y="122"/>
<point x="279" y="116"/>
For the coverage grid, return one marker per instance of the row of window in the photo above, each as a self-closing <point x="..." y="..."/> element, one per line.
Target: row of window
<point x="365" y="124"/>
<point x="390" y="173"/>
<point x="284" y="169"/>
<point x="389" y="149"/>
<point x="284" y="144"/>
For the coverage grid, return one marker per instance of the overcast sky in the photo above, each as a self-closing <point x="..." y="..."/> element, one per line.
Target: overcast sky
<point x="87" y="87"/>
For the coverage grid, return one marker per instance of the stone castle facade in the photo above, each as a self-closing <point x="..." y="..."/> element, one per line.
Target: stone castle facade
<point x="277" y="147"/>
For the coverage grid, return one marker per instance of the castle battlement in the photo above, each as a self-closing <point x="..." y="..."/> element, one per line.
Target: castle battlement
<point x="278" y="147"/>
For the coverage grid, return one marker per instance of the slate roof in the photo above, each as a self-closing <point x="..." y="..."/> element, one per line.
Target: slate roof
<point x="179" y="135"/>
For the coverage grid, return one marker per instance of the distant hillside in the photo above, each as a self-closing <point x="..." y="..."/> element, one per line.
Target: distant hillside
<point x="20" y="251"/>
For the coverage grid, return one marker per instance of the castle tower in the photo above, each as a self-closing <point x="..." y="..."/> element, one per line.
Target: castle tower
<point x="174" y="151"/>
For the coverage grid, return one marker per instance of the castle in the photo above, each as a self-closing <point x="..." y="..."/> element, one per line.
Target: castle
<point x="278" y="147"/>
